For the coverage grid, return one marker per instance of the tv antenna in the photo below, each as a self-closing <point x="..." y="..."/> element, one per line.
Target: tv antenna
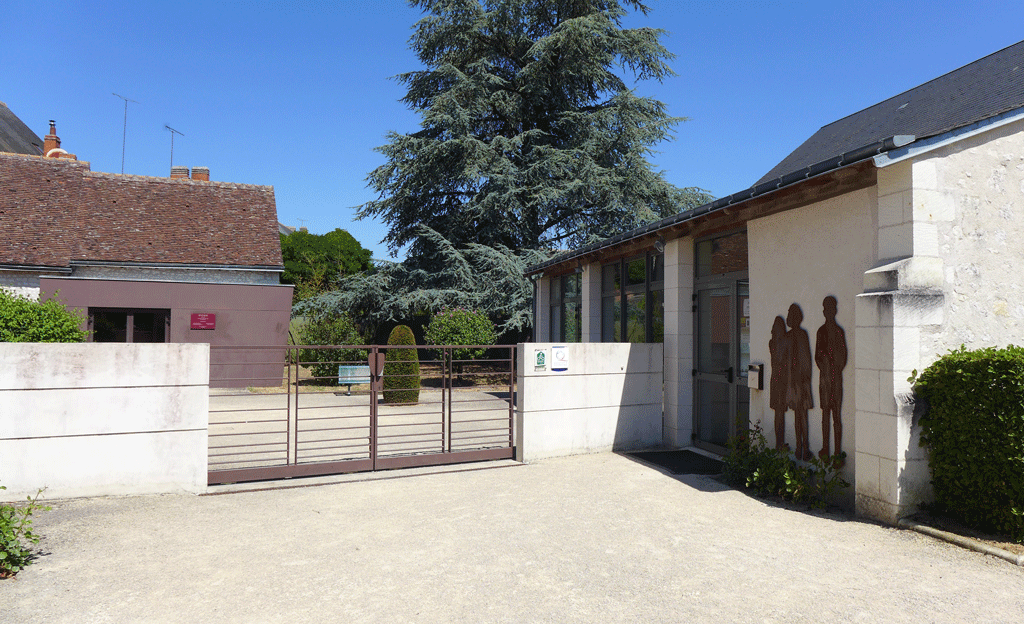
<point x="173" y="132"/>
<point x="124" y="133"/>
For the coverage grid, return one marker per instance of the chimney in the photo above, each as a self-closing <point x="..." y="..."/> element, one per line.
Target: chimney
<point x="179" y="173"/>
<point x="201" y="173"/>
<point x="52" y="141"/>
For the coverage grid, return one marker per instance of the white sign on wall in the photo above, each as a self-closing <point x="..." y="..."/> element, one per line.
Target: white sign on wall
<point x="540" y="359"/>
<point x="560" y="358"/>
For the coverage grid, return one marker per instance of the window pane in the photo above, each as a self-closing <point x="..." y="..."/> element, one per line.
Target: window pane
<point x="713" y="331"/>
<point x="722" y="255"/>
<point x="636" y="317"/>
<point x="573" y="324"/>
<point x="743" y="301"/>
<point x="610" y="279"/>
<point x="636" y="270"/>
<point x="572" y="286"/>
<point x="658" y="321"/>
<point x="610" y="319"/>
<point x="109" y="326"/>
<point x="658" y="268"/>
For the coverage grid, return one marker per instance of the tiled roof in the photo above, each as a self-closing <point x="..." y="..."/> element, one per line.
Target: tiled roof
<point x="55" y="211"/>
<point x="982" y="89"/>
<point x="15" y="136"/>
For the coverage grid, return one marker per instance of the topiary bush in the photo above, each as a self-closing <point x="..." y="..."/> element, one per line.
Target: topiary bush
<point x="973" y="426"/>
<point x="330" y="330"/>
<point x="401" y="368"/>
<point x="27" y="320"/>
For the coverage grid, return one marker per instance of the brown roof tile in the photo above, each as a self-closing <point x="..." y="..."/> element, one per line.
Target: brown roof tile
<point x="56" y="211"/>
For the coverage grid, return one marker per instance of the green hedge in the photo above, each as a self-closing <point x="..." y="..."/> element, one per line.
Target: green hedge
<point x="28" y="320"/>
<point x="974" y="429"/>
<point x="459" y="326"/>
<point x="330" y="330"/>
<point x="402" y="368"/>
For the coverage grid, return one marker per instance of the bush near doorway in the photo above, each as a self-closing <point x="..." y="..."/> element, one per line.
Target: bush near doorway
<point x="27" y="320"/>
<point x="16" y="535"/>
<point x="752" y="464"/>
<point x="402" y="368"/>
<point x="973" y="426"/>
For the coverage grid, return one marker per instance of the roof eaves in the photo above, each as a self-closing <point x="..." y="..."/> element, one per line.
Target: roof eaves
<point x="925" y="145"/>
<point x="826" y="166"/>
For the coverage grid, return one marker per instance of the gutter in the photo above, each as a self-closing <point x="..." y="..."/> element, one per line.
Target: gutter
<point x="178" y="265"/>
<point x="812" y="171"/>
<point x="36" y="268"/>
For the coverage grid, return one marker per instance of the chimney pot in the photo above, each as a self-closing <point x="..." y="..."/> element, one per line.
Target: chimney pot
<point x="179" y="173"/>
<point x="51" y="141"/>
<point x="201" y="173"/>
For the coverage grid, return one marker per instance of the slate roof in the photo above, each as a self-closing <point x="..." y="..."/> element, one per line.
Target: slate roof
<point x="15" y="136"/>
<point x="55" y="211"/>
<point x="982" y="89"/>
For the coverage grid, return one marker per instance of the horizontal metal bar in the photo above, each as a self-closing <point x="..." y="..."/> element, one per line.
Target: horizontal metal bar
<point x="386" y="463"/>
<point x="286" y="472"/>
<point x="246" y="433"/>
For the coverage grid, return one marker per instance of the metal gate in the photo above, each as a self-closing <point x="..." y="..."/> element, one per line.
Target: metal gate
<point x="279" y="412"/>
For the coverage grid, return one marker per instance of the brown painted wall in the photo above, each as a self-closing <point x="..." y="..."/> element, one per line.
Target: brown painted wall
<point x="247" y="315"/>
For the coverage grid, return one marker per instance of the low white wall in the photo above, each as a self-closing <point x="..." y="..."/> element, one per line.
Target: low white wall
<point x="610" y="398"/>
<point x="103" y="419"/>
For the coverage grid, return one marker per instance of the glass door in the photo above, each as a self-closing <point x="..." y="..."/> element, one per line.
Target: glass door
<point x="721" y="397"/>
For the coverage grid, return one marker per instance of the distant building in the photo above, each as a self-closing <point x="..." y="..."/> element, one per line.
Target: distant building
<point x="177" y="259"/>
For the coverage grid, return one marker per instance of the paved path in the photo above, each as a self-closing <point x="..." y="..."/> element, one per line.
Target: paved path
<point x="596" y="538"/>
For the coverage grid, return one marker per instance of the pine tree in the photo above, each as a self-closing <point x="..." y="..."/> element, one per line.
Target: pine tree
<point x="529" y="137"/>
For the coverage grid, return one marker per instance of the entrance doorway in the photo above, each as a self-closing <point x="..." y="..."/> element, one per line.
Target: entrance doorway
<point x="722" y="341"/>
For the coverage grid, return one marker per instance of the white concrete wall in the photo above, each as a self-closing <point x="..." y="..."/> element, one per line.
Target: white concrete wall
<point x="802" y="256"/>
<point x="610" y="398"/>
<point x="103" y="419"/>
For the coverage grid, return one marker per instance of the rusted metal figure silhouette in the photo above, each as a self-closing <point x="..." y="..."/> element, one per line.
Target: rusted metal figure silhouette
<point x="778" y="386"/>
<point x="830" y="356"/>
<point x="800" y="396"/>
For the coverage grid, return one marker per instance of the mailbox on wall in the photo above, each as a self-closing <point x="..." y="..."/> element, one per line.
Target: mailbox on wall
<point x="755" y="376"/>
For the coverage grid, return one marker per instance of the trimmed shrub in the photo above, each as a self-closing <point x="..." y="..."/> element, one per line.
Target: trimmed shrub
<point x="402" y="368"/>
<point x="973" y="426"/>
<point x="330" y="330"/>
<point x="459" y="326"/>
<point x="27" y="320"/>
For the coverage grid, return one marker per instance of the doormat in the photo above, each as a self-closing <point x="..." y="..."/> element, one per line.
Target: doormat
<point x="681" y="461"/>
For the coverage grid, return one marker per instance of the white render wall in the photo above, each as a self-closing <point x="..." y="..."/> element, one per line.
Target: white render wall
<point x="802" y="256"/>
<point x="610" y="398"/>
<point x="98" y="419"/>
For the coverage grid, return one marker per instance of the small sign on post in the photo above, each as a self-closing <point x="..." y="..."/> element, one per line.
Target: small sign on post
<point x="203" y="320"/>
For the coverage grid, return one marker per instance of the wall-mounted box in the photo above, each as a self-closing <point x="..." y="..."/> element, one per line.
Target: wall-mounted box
<point x="755" y="376"/>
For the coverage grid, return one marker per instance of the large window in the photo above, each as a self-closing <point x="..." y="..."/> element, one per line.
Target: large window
<point x="566" y="308"/>
<point x="633" y="299"/>
<point x="129" y="325"/>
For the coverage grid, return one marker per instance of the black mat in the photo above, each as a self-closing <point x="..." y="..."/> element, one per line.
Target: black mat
<point x="680" y="462"/>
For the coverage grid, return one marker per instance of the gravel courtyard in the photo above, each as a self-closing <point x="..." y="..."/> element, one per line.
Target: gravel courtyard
<point x="596" y="538"/>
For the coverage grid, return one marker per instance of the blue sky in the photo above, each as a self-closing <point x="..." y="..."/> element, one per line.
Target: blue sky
<point x="297" y="94"/>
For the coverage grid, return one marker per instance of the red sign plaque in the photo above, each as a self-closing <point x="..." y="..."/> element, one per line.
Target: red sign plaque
<point x="204" y="320"/>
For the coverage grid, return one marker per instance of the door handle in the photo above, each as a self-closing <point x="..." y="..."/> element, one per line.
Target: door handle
<point x="728" y="374"/>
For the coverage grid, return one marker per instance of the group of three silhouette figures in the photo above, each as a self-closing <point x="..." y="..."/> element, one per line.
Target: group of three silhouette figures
<point x="790" y="385"/>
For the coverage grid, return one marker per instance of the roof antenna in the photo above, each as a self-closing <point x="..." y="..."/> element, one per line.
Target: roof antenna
<point x="124" y="133"/>
<point x="173" y="132"/>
